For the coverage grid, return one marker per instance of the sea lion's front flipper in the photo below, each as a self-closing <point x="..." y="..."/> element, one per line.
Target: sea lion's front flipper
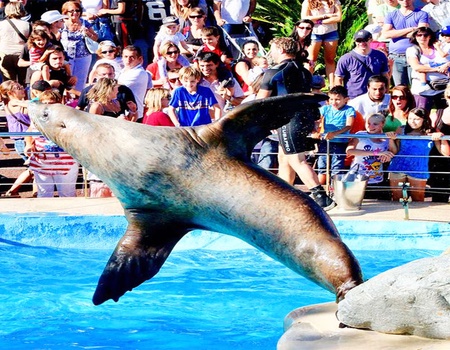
<point x="138" y="257"/>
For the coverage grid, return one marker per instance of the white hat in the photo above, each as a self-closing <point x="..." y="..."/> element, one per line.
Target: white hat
<point x="52" y="16"/>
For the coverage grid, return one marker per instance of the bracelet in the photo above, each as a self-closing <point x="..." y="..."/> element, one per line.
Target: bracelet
<point x="376" y="152"/>
<point x="319" y="22"/>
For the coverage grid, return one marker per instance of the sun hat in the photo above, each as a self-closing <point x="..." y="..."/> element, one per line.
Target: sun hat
<point x="107" y="43"/>
<point x="170" y="20"/>
<point x="52" y="16"/>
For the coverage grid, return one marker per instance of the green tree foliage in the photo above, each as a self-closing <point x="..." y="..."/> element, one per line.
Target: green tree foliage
<point x="280" y="16"/>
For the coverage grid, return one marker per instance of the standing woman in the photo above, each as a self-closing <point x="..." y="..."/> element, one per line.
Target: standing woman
<point x="14" y="34"/>
<point x="193" y="32"/>
<point x="243" y="67"/>
<point x="12" y="94"/>
<point x="326" y="14"/>
<point x="439" y="165"/>
<point x="302" y="33"/>
<point x="73" y="40"/>
<point x="182" y="8"/>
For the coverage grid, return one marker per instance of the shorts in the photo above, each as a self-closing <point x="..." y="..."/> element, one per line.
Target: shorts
<point x="331" y="36"/>
<point x="99" y="189"/>
<point x="293" y="137"/>
<point x="401" y="176"/>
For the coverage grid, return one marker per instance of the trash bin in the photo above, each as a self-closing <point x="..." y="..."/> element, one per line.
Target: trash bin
<point x="349" y="190"/>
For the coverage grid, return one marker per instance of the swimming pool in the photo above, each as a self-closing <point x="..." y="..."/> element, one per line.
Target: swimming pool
<point x="214" y="291"/>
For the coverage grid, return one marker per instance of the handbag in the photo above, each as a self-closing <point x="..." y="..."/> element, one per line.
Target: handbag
<point x="91" y="45"/>
<point x="439" y="84"/>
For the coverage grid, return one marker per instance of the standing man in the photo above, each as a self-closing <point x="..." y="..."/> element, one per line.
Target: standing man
<point x="376" y="100"/>
<point x="135" y="76"/>
<point x="356" y="67"/>
<point x="289" y="76"/>
<point x="438" y="13"/>
<point x="397" y="26"/>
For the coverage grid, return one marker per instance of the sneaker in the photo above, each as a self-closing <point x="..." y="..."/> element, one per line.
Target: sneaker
<point x="320" y="197"/>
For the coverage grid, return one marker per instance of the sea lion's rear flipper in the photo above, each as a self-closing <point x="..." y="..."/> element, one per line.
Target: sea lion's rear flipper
<point x="138" y="257"/>
<point x="249" y="123"/>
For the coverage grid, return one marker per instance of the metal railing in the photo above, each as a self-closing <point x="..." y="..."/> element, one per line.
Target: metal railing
<point x="84" y="185"/>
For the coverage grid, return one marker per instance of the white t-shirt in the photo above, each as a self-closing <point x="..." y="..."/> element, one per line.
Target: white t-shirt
<point x="234" y="11"/>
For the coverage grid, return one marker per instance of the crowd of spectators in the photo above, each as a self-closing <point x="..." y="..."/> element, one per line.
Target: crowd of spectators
<point x="194" y="71"/>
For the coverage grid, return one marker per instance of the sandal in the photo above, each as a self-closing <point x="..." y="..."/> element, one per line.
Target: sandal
<point x="10" y="194"/>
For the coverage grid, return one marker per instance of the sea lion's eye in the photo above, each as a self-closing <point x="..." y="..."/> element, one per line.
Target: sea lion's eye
<point x="62" y="125"/>
<point x="45" y="115"/>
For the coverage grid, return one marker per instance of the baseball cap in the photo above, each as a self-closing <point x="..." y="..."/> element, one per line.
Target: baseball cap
<point x="41" y="85"/>
<point x="52" y="16"/>
<point x="445" y="31"/>
<point x="318" y="82"/>
<point x="362" y="35"/>
<point x="107" y="43"/>
<point x="170" y="20"/>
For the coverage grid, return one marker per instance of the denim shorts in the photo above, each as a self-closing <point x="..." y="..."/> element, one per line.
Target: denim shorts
<point x="331" y="36"/>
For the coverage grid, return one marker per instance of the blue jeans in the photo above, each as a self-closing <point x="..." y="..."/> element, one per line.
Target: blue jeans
<point x="337" y="154"/>
<point x="19" y="146"/>
<point x="267" y="158"/>
<point x="401" y="70"/>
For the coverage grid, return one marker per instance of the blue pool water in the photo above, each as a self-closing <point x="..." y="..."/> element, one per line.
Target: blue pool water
<point x="214" y="292"/>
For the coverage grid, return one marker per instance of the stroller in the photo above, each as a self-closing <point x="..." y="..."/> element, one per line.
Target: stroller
<point x="234" y="42"/>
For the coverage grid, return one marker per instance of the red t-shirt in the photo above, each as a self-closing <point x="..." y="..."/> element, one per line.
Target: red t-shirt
<point x="157" y="119"/>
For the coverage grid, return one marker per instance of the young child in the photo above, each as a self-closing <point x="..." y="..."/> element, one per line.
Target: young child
<point x="370" y="154"/>
<point x="211" y="43"/>
<point x="169" y="31"/>
<point x="37" y="43"/>
<point x="192" y="104"/>
<point x="156" y="101"/>
<point x="411" y="162"/>
<point x="337" y="119"/>
<point x="51" y="165"/>
<point x="55" y="70"/>
<point x="107" y="52"/>
<point x="261" y="64"/>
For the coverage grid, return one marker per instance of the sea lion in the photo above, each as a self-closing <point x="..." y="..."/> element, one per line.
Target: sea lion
<point x="173" y="180"/>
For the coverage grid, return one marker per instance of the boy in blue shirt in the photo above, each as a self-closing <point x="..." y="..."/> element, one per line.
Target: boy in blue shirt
<point x="337" y="118"/>
<point x="191" y="104"/>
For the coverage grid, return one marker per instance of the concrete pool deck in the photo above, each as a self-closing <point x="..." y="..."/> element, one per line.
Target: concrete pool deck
<point x="371" y="210"/>
<point x="311" y="327"/>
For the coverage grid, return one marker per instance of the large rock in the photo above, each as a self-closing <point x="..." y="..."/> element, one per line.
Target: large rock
<point x="410" y="299"/>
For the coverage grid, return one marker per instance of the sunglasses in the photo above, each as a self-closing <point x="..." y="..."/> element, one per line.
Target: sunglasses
<point x="305" y="28"/>
<point x="398" y="97"/>
<point x="170" y="53"/>
<point x="108" y="51"/>
<point x="196" y="16"/>
<point x="174" y="80"/>
<point x="74" y="11"/>
<point x="362" y="40"/>
<point x="422" y="34"/>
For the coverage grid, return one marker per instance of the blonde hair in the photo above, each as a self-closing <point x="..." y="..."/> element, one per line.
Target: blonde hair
<point x="15" y="10"/>
<point x="50" y="96"/>
<point x="188" y="72"/>
<point x="6" y="88"/>
<point x="105" y="47"/>
<point x="153" y="99"/>
<point x="67" y="4"/>
<point x="378" y="116"/>
<point x="166" y="46"/>
<point x="101" y="90"/>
